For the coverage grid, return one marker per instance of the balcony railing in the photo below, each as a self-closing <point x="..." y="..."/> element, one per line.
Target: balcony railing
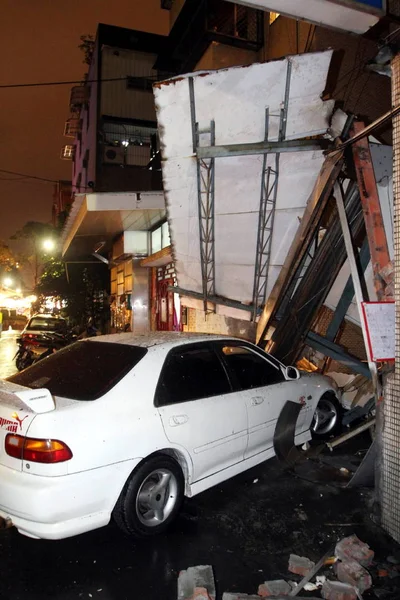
<point x="201" y="22"/>
<point x="72" y="127"/>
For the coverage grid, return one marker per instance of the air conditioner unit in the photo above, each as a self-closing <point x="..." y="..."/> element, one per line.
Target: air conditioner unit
<point x="114" y="154"/>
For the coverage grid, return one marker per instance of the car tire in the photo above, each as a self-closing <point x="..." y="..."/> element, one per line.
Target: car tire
<point x="151" y="498"/>
<point x="327" y="419"/>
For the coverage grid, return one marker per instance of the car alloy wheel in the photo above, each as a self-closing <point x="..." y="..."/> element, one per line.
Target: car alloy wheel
<point x="151" y="498"/>
<point x="326" y="419"/>
<point x="157" y="497"/>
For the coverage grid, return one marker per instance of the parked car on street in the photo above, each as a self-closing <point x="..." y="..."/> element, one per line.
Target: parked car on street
<point x="126" y="426"/>
<point x="34" y="338"/>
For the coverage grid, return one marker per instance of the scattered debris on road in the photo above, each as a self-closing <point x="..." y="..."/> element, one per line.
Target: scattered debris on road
<point x="346" y="576"/>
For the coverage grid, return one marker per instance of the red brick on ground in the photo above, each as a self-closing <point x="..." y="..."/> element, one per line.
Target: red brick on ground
<point x="350" y="571"/>
<point x="354" y="549"/>
<point x="276" y="587"/>
<point x="336" y="590"/>
<point x="300" y="565"/>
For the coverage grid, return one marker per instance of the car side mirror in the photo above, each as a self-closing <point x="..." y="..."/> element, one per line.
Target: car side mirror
<point x="292" y="373"/>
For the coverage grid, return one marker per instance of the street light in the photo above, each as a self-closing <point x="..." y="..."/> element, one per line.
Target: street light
<point x="48" y="245"/>
<point x="8" y="281"/>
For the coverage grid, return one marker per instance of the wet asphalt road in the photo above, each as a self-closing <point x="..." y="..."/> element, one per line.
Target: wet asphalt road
<point x="245" y="528"/>
<point x="8" y="348"/>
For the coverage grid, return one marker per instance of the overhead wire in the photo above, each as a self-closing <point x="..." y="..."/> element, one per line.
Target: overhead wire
<point x="79" y="82"/>
<point x="24" y="176"/>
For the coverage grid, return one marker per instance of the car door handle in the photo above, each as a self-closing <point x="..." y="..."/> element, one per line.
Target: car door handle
<point x="256" y="400"/>
<point x="178" y="420"/>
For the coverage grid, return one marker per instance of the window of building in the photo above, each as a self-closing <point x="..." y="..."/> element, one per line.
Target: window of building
<point x="160" y="238"/>
<point x="250" y="370"/>
<point x="191" y="373"/>
<point x="133" y="140"/>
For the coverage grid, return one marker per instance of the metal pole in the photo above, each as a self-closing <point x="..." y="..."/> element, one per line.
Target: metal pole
<point x="355" y="276"/>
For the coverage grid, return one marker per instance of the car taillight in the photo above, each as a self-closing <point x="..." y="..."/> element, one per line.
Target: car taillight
<point x="36" y="450"/>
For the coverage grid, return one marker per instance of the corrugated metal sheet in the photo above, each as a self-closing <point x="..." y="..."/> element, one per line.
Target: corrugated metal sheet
<point x="116" y="99"/>
<point x="236" y="99"/>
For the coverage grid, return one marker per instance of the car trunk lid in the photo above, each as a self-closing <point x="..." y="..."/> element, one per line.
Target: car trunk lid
<point x="18" y="408"/>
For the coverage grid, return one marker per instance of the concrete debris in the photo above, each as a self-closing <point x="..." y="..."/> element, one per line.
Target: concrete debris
<point x="336" y="590"/>
<point x="300" y="565"/>
<point x="354" y="549"/>
<point x="277" y="587"/>
<point x="350" y="571"/>
<point x="196" y="583"/>
<point x="310" y="587"/>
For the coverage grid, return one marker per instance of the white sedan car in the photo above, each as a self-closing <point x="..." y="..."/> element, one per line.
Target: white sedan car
<point x="126" y="426"/>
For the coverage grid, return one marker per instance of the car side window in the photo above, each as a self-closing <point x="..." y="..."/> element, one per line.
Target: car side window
<point x="249" y="368"/>
<point x="191" y="373"/>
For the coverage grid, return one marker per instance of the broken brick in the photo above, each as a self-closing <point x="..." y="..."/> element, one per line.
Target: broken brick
<point x="354" y="549"/>
<point x="300" y="565"/>
<point x="350" y="571"/>
<point x="196" y="583"/>
<point x="336" y="590"/>
<point x="277" y="587"/>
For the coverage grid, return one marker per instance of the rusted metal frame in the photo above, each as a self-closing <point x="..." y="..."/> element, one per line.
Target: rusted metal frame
<point x="369" y="129"/>
<point x="301" y="243"/>
<point x="268" y="197"/>
<point x="291" y="330"/>
<point x="206" y="204"/>
<point x="374" y="226"/>
<point x="347" y="296"/>
<point x="358" y="290"/>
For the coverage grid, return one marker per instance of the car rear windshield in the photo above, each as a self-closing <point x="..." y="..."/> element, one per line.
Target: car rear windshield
<point x="46" y="324"/>
<point x="85" y="370"/>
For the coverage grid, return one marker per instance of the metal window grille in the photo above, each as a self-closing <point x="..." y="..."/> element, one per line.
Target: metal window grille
<point x="234" y="20"/>
<point x="134" y="141"/>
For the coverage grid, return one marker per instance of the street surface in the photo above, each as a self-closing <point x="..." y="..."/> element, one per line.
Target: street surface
<point x="245" y="528"/>
<point x="8" y="348"/>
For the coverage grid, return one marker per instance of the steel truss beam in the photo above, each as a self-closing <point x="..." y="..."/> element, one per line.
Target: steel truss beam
<point x="214" y="299"/>
<point x="261" y="148"/>
<point x="206" y="212"/>
<point x="269" y="193"/>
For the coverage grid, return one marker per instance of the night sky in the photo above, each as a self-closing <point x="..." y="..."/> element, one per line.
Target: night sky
<point x="39" y="42"/>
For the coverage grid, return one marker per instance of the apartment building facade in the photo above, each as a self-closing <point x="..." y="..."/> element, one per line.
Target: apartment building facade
<point x="118" y="215"/>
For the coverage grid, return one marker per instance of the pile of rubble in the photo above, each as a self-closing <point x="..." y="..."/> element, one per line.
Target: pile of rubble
<point x="347" y="579"/>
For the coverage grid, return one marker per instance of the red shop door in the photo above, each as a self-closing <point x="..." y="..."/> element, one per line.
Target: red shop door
<point x="165" y="305"/>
